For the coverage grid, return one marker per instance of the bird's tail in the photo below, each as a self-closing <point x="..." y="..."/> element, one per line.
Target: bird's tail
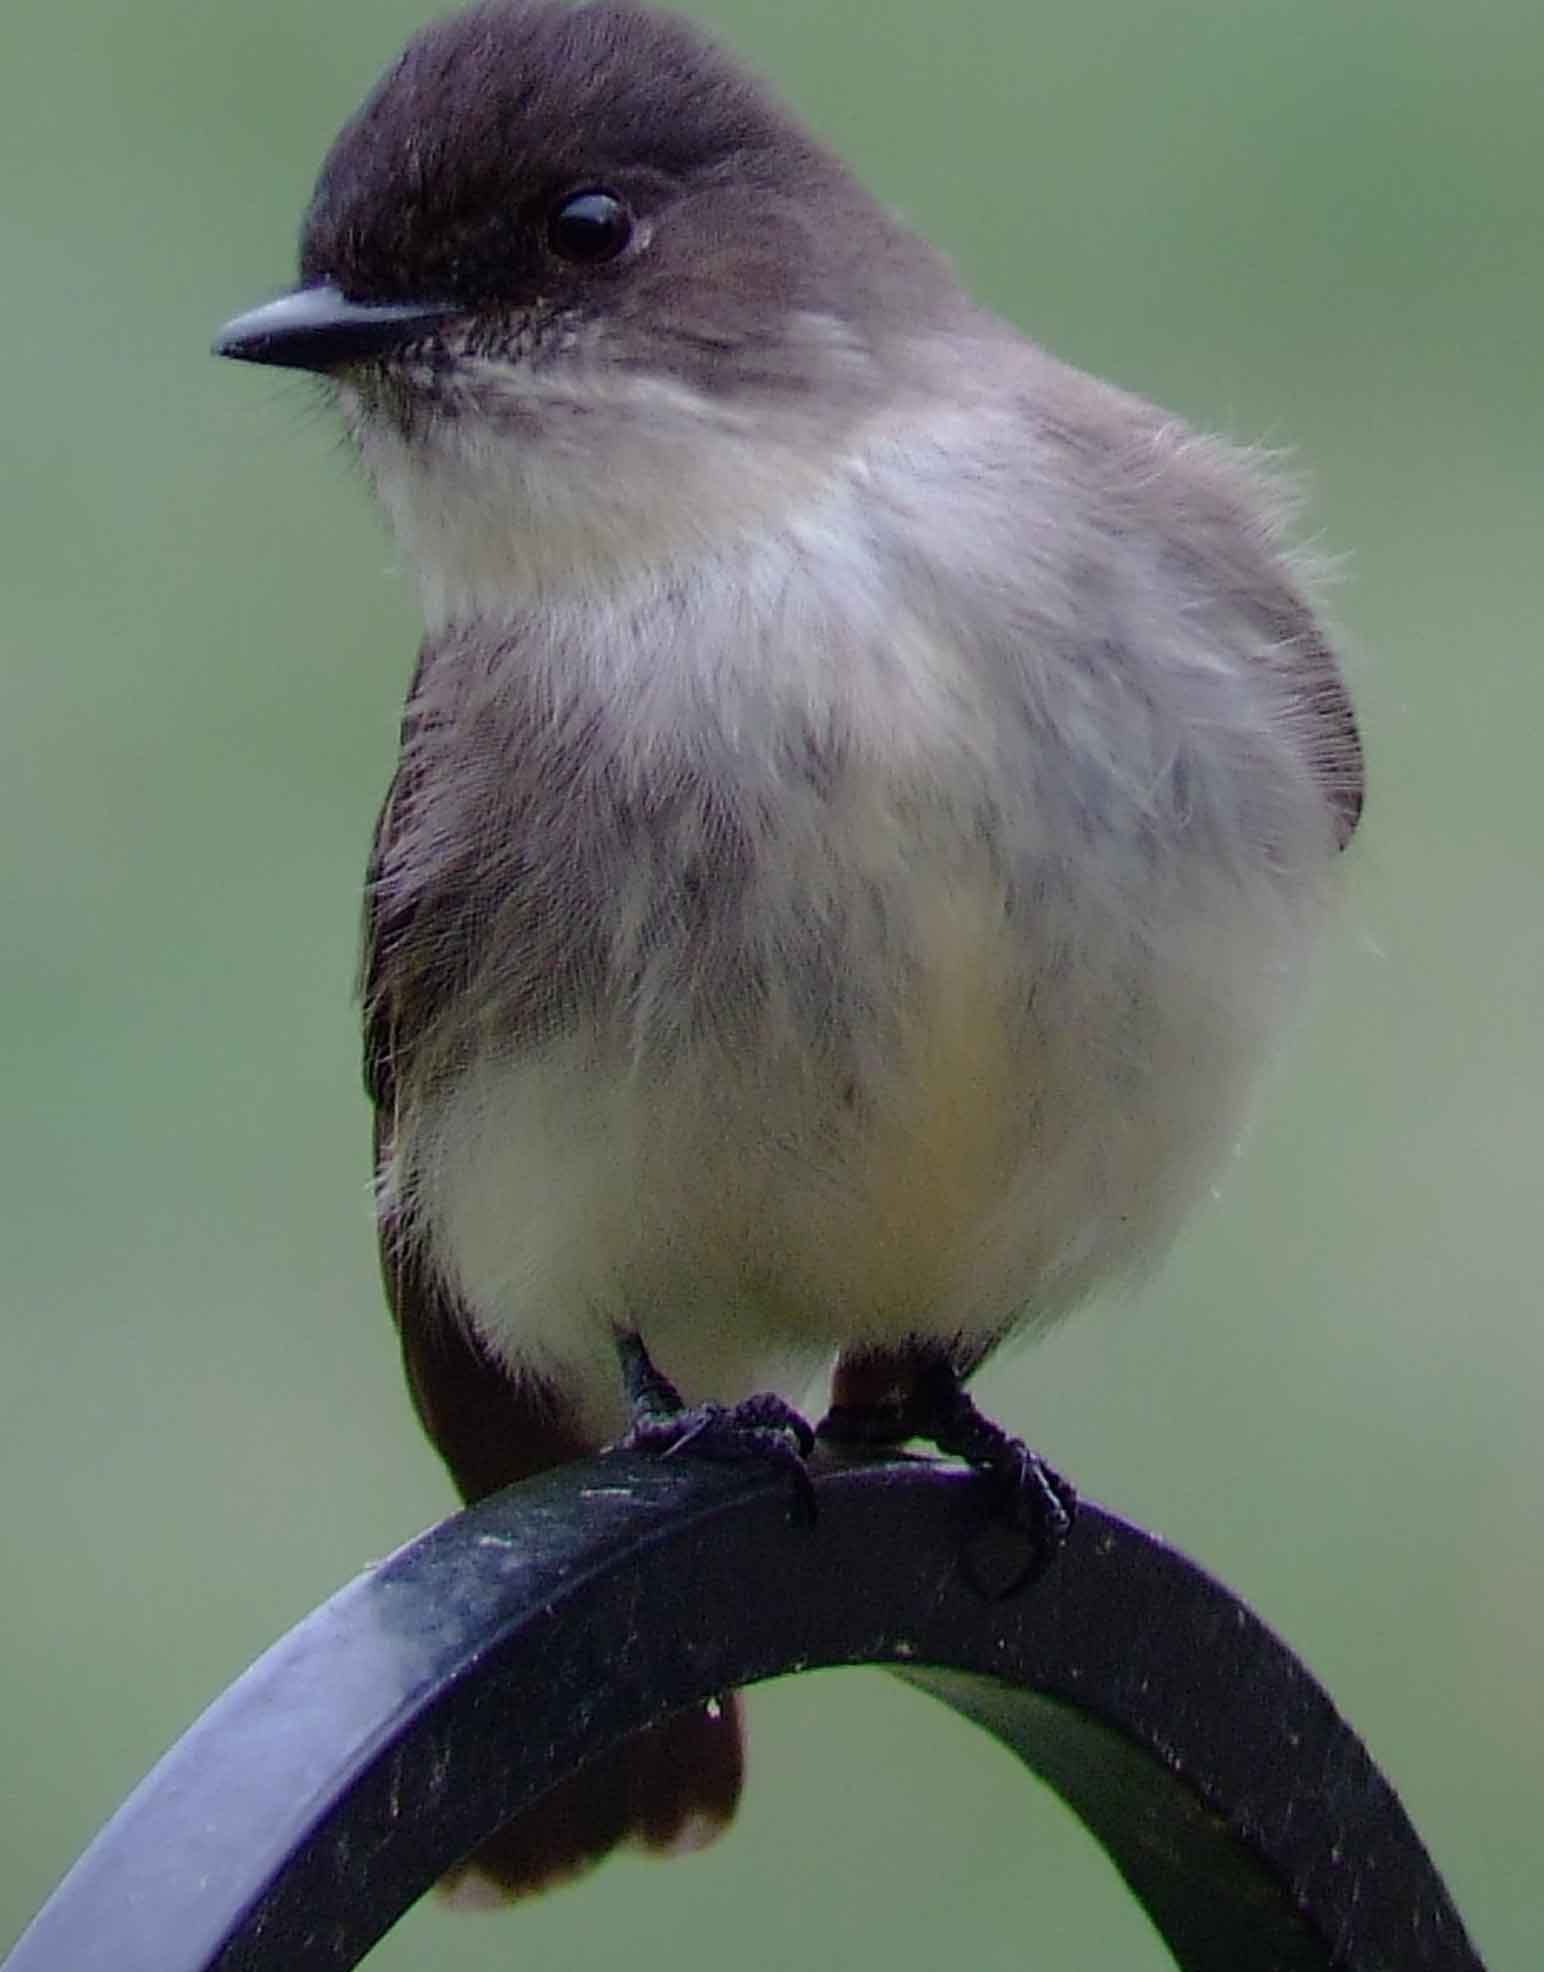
<point x="670" y="1789"/>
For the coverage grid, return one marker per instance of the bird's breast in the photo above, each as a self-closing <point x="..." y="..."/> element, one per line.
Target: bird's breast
<point x="822" y="972"/>
<point x="776" y="1138"/>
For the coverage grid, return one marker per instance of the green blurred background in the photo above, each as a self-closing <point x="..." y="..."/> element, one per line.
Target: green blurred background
<point x="1314" y="224"/>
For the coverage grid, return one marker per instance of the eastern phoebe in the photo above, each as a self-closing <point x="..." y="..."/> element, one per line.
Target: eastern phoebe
<point x="866" y="793"/>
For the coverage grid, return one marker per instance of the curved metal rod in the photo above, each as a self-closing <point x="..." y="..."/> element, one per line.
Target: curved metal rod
<point x="450" y="1685"/>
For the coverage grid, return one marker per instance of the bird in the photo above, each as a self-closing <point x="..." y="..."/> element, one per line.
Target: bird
<point x="868" y="793"/>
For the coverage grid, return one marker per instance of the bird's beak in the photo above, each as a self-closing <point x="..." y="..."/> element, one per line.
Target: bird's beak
<point x="320" y="329"/>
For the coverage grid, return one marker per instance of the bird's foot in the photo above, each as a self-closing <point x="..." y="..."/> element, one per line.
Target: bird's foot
<point x="762" y="1427"/>
<point x="1034" y="1505"/>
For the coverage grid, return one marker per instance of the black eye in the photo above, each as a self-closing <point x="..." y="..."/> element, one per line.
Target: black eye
<point x="589" y="227"/>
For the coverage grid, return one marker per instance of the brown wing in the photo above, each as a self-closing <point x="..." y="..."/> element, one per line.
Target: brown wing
<point x="490" y="1427"/>
<point x="673" y="1787"/>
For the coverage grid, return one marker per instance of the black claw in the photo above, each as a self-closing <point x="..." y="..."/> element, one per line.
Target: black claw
<point x="1035" y="1515"/>
<point x="766" y="1412"/>
<point x="1035" y="1505"/>
<point x="1037" y="1496"/>
<point x="763" y="1427"/>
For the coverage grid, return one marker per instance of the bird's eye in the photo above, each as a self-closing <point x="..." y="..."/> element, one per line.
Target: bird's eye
<point x="589" y="227"/>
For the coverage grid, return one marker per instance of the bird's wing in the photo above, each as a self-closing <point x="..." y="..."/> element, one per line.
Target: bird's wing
<point x="677" y="1784"/>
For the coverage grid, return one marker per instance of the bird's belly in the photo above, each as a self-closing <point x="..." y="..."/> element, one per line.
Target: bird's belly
<point x="795" y="1196"/>
<point x="976" y="1152"/>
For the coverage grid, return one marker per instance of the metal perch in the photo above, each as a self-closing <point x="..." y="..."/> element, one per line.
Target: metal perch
<point x="451" y="1684"/>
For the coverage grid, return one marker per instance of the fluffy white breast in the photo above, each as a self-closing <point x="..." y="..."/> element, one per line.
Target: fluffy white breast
<point x="1067" y="861"/>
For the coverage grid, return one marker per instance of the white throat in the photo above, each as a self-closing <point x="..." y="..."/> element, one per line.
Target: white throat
<point x="584" y="493"/>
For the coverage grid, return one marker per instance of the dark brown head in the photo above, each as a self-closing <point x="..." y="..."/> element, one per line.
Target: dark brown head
<point x="539" y="182"/>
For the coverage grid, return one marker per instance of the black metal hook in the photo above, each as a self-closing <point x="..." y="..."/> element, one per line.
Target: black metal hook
<point x="447" y="1687"/>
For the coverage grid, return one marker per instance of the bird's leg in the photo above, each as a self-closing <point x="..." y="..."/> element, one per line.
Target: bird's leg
<point x="762" y="1427"/>
<point x="884" y="1398"/>
<point x="651" y="1396"/>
